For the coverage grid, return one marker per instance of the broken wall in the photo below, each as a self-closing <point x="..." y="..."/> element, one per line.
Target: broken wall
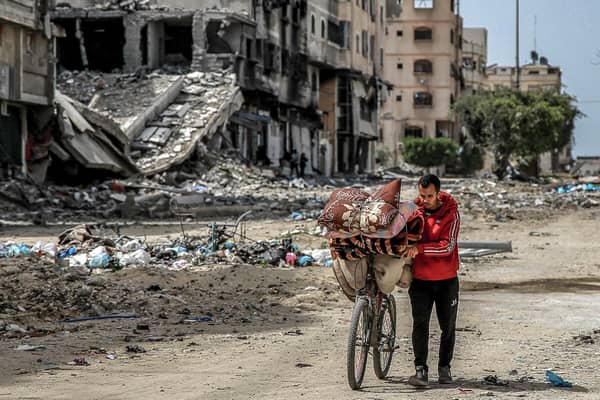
<point x="240" y="6"/>
<point x="156" y="44"/>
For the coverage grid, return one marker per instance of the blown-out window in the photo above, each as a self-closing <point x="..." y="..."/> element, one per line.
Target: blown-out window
<point x="423" y="33"/>
<point x="423" y="99"/>
<point x="413" y="131"/>
<point x="423" y="67"/>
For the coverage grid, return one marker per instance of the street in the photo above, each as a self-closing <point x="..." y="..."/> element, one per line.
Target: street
<point x="280" y="333"/>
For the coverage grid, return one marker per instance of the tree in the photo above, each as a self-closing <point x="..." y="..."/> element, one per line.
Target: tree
<point x="519" y="125"/>
<point x="429" y="152"/>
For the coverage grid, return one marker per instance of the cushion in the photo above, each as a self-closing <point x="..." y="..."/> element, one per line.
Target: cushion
<point x="351" y="212"/>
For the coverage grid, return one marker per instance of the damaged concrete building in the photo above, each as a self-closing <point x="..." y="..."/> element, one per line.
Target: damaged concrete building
<point x="26" y="84"/>
<point x="346" y="39"/>
<point x="308" y="86"/>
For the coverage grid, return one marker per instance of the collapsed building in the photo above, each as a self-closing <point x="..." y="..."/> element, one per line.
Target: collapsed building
<point x="26" y="85"/>
<point x="302" y="84"/>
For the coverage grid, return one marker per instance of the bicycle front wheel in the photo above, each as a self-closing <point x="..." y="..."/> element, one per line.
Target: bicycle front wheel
<point x="386" y="338"/>
<point x="358" y="343"/>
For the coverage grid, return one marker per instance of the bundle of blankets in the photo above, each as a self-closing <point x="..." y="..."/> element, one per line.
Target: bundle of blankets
<point x="360" y="224"/>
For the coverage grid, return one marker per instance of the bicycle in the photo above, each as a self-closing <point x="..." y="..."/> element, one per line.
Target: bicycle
<point x="371" y="307"/>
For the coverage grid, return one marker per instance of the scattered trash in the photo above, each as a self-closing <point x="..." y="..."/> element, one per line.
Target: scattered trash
<point x="79" y="361"/>
<point x="197" y="319"/>
<point x="494" y="380"/>
<point x="584" y="339"/>
<point x="305" y="261"/>
<point x="303" y="365"/>
<point x="14" y="328"/>
<point x="100" y="317"/>
<point x="30" y="347"/>
<point x="290" y="258"/>
<point x="556" y="380"/>
<point x="139" y="257"/>
<point x="135" y="349"/>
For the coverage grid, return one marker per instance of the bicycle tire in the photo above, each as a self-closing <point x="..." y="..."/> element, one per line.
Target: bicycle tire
<point x="359" y="336"/>
<point x="386" y="339"/>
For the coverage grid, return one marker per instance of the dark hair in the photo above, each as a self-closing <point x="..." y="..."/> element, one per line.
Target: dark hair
<point x="430" y="180"/>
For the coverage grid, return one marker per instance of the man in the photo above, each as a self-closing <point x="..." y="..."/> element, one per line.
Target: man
<point x="303" y="161"/>
<point x="435" y="279"/>
<point x="294" y="164"/>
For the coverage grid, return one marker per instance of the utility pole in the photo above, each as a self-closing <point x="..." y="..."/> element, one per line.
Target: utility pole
<point x="518" y="81"/>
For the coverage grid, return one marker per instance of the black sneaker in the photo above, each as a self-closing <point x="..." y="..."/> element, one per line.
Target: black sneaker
<point x="444" y="375"/>
<point x="419" y="379"/>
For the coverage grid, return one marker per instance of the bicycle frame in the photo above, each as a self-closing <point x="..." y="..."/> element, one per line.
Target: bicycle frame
<point x="374" y="297"/>
<point x="371" y="305"/>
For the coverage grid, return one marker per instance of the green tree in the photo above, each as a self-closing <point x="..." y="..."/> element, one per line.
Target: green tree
<point x="519" y="125"/>
<point x="429" y="152"/>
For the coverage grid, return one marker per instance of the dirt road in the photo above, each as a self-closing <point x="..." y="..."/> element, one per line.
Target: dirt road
<point x="281" y="333"/>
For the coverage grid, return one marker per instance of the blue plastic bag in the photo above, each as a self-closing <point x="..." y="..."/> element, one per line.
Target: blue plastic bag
<point x="67" y="253"/>
<point x="100" y="261"/>
<point x="556" y="380"/>
<point x="305" y="260"/>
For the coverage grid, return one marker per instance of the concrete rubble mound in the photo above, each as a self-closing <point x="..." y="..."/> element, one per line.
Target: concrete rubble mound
<point x="160" y="117"/>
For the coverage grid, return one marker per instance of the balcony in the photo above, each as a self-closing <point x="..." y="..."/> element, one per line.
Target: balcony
<point x="323" y="52"/>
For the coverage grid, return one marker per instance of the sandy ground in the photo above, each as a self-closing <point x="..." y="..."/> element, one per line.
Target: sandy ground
<point x="281" y="333"/>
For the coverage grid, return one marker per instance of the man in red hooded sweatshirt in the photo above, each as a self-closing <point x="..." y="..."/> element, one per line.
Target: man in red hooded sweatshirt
<point x="435" y="280"/>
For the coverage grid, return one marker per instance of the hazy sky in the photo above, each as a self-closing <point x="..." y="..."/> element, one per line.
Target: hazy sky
<point x="568" y="34"/>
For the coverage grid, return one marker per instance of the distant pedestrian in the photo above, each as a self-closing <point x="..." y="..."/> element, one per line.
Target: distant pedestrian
<point x="303" y="161"/>
<point x="294" y="163"/>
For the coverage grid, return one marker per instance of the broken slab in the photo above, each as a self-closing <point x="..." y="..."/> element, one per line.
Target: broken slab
<point x="91" y="147"/>
<point x="159" y="104"/>
<point x="81" y="123"/>
<point x="197" y="117"/>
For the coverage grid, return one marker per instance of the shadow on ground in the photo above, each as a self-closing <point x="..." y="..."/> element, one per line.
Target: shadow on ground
<point x="396" y="384"/>
<point x="537" y="286"/>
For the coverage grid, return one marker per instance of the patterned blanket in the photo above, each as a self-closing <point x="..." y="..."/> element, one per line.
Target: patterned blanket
<point x="359" y="223"/>
<point x="360" y="246"/>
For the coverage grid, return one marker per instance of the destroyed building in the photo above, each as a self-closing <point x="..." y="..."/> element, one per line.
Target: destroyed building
<point x="306" y="84"/>
<point x="26" y="85"/>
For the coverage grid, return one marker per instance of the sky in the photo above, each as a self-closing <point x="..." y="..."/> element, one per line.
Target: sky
<point x="567" y="33"/>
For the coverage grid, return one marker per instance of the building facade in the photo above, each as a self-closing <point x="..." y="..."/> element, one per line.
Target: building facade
<point x="26" y="78"/>
<point x="350" y="82"/>
<point x="422" y="60"/>
<point x="533" y="76"/>
<point x="474" y="59"/>
<point x="310" y="71"/>
<point x="537" y="75"/>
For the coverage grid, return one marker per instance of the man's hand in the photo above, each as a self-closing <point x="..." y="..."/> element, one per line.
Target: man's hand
<point x="412" y="252"/>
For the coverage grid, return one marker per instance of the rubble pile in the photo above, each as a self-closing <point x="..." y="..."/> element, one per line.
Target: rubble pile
<point x="123" y="5"/>
<point x="203" y="106"/>
<point x="82" y="85"/>
<point x="75" y="275"/>
<point x="25" y="201"/>
<point x="96" y="249"/>
<point x="117" y="96"/>
<point x="517" y="200"/>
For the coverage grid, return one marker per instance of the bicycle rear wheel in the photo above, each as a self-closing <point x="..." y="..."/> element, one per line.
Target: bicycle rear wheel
<point x="386" y="338"/>
<point x="358" y="344"/>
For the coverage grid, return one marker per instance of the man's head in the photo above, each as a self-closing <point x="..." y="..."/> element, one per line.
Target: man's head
<point x="429" y="189"/>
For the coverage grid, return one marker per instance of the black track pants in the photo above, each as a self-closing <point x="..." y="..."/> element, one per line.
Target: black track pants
<point x="423" y="294"/>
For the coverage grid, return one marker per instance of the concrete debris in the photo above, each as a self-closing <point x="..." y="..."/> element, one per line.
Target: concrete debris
<point x="122" y="5"/>
<point x="206" y="102"/>
<point x="165" y="115"/>
<point x="217" y="185"/>
<point x="62" y="281"/>
<point x="91" y="146"/>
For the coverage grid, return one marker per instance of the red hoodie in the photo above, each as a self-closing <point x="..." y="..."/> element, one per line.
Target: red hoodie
<point x="438" y="249"/>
